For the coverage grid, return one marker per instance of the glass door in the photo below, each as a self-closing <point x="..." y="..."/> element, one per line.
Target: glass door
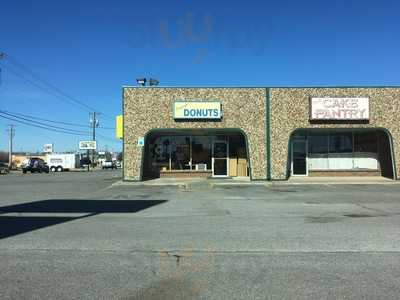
<point x="220" y="158"/>
<point x="299" y="157"/>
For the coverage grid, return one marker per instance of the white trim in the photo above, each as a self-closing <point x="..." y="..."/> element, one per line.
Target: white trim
<point x="306" y="152"/>
<point x="226" y="158"/>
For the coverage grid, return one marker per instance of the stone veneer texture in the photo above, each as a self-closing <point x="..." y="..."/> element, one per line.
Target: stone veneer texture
<point x="289" y="110"/>
<point x="151" y="108"/>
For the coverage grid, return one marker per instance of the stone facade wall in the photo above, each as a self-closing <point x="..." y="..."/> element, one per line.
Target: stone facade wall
<point x="289" y="110"/>
<point x="147" y="108"/>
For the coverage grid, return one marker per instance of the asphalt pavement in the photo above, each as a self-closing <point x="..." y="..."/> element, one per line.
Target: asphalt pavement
<point x="83" y="235"/>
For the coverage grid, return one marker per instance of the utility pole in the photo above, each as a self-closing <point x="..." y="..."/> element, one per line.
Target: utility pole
<point x="11" y="134"/>
<point x="94" y="124"/>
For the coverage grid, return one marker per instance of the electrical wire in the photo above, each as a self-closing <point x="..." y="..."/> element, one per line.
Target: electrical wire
<point x="25" y="121"/>
<point x="109" y="139"/>
<point x="56" y="122"/>
<point x="33" y="83"/>
<point x="42" y="127"/>
<point x="21" y="66"/>
<point x="48" y="87"/>
<point x="47" y="120"/>
<point x="43" y="124"/>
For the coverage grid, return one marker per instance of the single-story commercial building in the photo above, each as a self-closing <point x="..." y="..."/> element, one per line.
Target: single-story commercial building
<point x="262" y="133"/>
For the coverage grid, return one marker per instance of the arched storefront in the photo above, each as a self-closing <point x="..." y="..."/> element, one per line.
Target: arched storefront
<point x="195" y="153"/>
<point x="341" y="152"/>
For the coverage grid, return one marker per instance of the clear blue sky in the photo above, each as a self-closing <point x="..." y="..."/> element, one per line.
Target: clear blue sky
<point x="90" y="49"/>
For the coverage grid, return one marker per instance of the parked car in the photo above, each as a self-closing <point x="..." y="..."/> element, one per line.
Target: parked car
<point x="35" y="165"/>
<point x="109" y="164"/>
<point x="85" y="161"/>
<point x="118" y="164"/>
<point x="4" y="168"/>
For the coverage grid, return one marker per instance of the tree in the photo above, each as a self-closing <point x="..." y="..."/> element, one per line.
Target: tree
<point x="3" y="156"/>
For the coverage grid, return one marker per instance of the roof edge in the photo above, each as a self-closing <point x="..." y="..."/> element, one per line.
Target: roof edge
<point x="263" y="87"/>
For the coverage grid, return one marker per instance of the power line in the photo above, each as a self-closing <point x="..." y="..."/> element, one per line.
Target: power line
<point x="43" y="124"/>
<point x="32" y="82"/>
<point x="47" y="120"/>
<point x="48" y="87"/>
<point x="108" y="138"/>
<point x="42" y="127"/>
<point x="56" y="122"/>
<point x="21" y="66"/>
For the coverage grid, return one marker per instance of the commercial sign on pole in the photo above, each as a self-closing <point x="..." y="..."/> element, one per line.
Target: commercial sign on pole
<point x="87" y="145"/>
<point x="186" y="110"/>
<point x="339" y="109"/>
<point x="48" y="148"/>
<point x="119" y="127"/>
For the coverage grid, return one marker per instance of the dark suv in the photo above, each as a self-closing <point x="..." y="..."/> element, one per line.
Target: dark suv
<point x="4" y="168"/>
<point x="35" y="165"/>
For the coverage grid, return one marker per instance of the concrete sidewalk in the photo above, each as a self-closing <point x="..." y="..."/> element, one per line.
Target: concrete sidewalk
<point x="186" y="182"/>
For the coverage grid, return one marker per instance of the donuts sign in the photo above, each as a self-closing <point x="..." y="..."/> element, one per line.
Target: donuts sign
<point x="339" y="109"/>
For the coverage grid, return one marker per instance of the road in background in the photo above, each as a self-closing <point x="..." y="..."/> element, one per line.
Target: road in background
<point x="75" y="235"/>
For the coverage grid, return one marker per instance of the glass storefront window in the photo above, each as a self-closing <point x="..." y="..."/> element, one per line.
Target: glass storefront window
<point x="345" y="150"/>
<point x="174" y="152"/>
<point x="366" y="150"/>
<point x="180" y="153"/>
<point x="365" y="142"/>
<point x="341" y="142"/>
<point x="318" y="151"/>
<point x="160" y="153"/>
<point x="341" y="151"/>
<point x="201" y="152"/>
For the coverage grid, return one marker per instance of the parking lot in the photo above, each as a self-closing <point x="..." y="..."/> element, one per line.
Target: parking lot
<point x="83" y="235"/>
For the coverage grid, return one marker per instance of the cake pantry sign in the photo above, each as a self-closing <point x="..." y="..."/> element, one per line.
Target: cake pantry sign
<point x="339" y="109"/>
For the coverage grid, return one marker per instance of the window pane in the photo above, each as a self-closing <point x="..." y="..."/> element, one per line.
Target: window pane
<point x="365" y="142"/>
<point x="318" y="151"/>
<point x="341" y="151"/>
<point x="365" y="150"/>
<point x="341" y="142"/>
<point x="159" y="153"/>
<point x="180" y="153"/>
<point x="201" y="151"/>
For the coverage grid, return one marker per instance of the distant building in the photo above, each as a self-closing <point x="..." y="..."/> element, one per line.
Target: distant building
<point x="18" y="159"/>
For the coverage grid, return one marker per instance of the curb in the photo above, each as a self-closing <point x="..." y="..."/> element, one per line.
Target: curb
<point x="144" y="184"/>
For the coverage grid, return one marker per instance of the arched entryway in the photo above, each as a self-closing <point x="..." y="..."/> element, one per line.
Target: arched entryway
<point x="341" y="152"/>
<point x="195" y="153"/>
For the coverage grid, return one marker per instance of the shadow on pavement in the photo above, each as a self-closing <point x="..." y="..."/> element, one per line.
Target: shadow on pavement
<point x="14" y="225"/>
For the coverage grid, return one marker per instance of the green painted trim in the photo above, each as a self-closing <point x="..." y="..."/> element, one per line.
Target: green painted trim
<point x="268" y="132"/>
<point x="210" y="131"/>
<point x="389" y="134"/>
<point x="123" y="134"/>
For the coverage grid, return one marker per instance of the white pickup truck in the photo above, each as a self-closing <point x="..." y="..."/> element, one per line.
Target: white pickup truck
<point x="109" y="164"/>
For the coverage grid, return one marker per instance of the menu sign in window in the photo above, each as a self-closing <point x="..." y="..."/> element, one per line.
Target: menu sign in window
<point x="339" y="109"/>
